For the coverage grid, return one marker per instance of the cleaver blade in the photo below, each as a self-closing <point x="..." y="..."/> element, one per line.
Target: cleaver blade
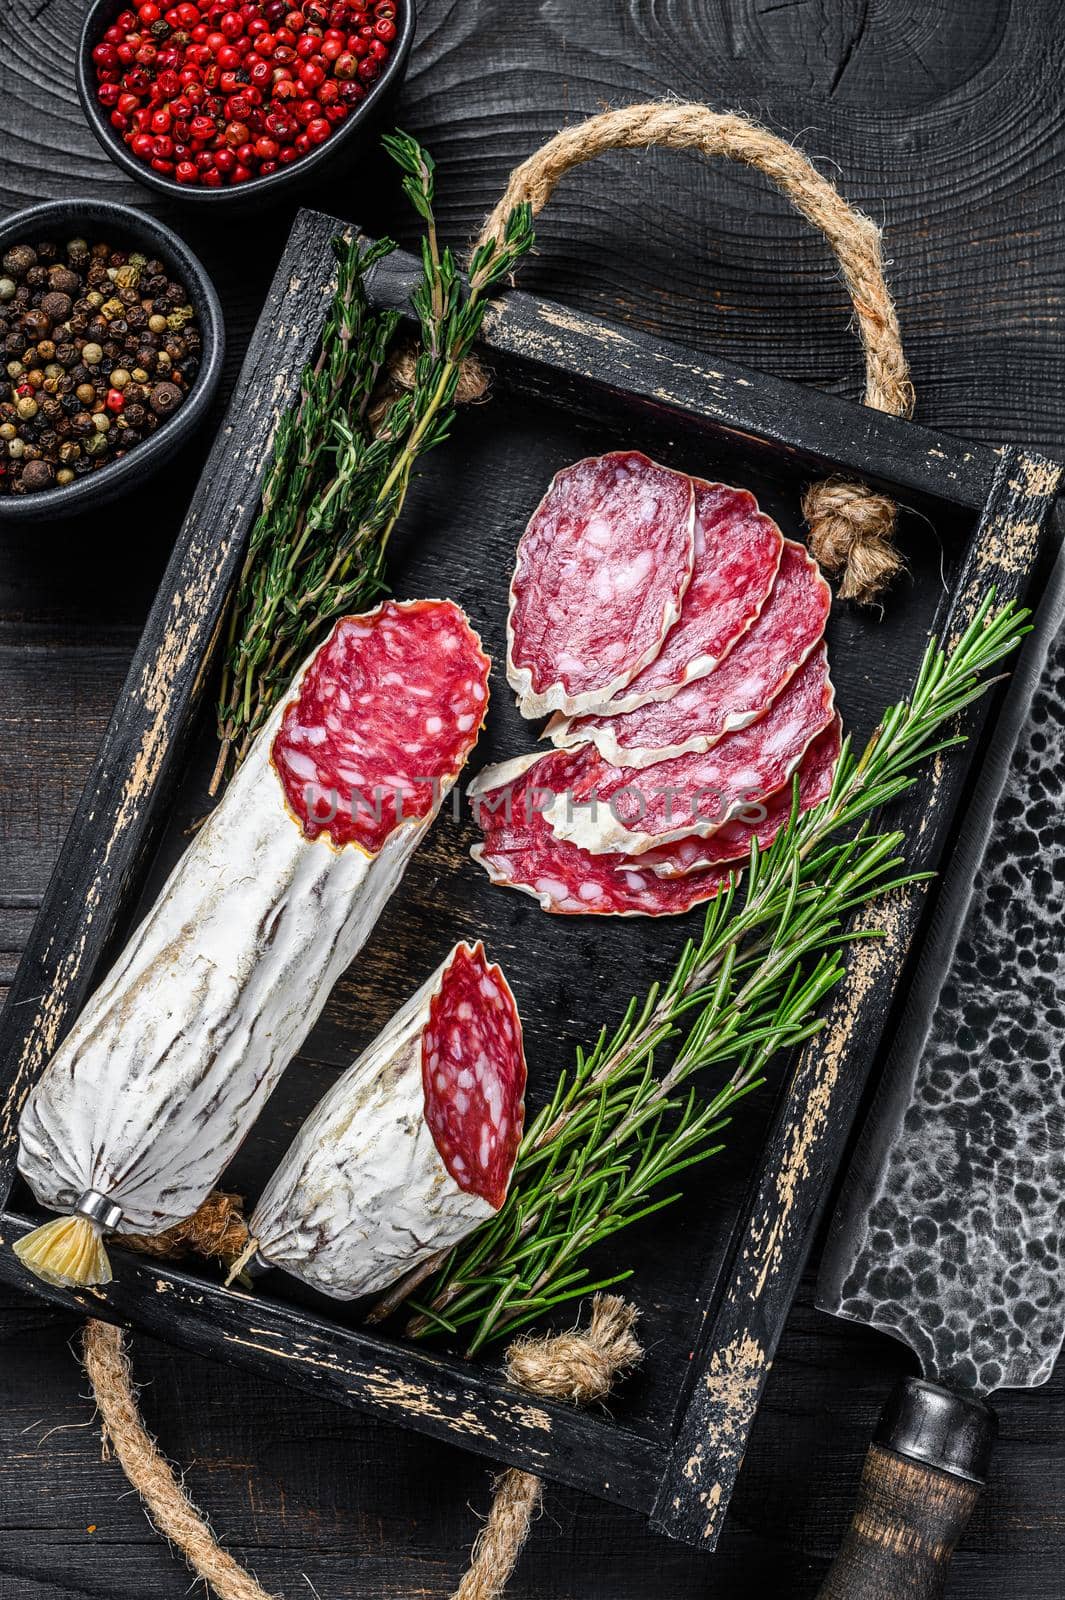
<point x="949" y="1233"/>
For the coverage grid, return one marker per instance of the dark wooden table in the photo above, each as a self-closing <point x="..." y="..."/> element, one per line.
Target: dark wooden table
<point x="944" y="122"/>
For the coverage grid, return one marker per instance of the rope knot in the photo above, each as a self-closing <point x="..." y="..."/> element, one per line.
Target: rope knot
<point x="581" y="1365"/>
<point x="473" y="375"/>
<point x="216" y="1231"/>
<point x="851" y="532"/>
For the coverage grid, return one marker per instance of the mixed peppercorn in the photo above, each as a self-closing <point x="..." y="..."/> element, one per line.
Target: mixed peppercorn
<point x="212" y="93"/>
<point x="99" y="347"/>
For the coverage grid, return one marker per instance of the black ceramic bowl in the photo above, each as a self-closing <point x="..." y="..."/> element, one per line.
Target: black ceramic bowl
<point x="338" y="149"/>
<point x="122" y="226"/>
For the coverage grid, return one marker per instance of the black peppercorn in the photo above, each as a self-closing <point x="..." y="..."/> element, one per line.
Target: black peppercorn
<point x="63" y="280"/>
<point x="165" y="398"/>
<point x="56" y="306"/>
<point x="19" y="259"/>
<point x="37" y="475"/>
<point x="36" y="323"/>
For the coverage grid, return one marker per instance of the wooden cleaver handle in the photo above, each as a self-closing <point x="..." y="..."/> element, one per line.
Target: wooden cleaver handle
<point x="922" y="1478"/>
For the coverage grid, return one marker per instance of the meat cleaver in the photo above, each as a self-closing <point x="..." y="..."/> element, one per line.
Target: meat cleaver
<point x="950" y="1229"/>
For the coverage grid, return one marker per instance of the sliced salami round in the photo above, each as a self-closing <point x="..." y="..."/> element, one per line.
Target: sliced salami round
<point x="520" y="852"/>
<point x="385" y="715"/>
<point x="737" y="556"/>
<point x="601" y="571"/>
<point x="412" y="1148"/>
<point x="632" y="809"/>
<point x="736" y="693"/>
<point x="733" y="842"/>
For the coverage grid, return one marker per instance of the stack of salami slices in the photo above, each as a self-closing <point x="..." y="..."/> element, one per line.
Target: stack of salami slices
<point x="677" y="638"/>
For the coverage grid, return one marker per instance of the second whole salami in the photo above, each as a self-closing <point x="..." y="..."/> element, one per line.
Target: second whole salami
<point x="412" y="1147"/>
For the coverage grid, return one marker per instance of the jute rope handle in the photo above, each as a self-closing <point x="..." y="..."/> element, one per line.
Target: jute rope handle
<point x="851" y="527"/>
<point x="580" y="1366"/>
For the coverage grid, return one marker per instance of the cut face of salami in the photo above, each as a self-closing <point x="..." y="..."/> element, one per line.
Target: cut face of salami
<point x="520" y="852"/>
<point x="737" y="555"/>
<point x="631" y="810"/>
<point x="149" y="1097"/>
<point x="387" y="711"/>
<point x="412" y="1147"/>
<point x="736" y="693"/>
<point x="601" y="571"/>
<point x="473" y="1074"/>
<point x="733" y="841"/>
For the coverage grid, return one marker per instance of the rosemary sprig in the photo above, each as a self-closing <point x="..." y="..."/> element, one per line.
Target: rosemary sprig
<point x="340" y="472"/>
<point x="618" y="1131"/>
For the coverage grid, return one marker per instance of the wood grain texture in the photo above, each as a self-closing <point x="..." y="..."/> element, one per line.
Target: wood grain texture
<point x="907" y="1522"/>
<point x="944" y="122"/>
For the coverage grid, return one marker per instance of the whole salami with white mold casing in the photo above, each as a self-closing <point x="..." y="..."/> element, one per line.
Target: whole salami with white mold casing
<point x="601" y="571"/>
<point x="412" y="1148"/>
<point x="146" y="1101"/>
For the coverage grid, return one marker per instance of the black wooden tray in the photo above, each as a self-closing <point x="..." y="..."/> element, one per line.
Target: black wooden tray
<point x="714" y="1274"/>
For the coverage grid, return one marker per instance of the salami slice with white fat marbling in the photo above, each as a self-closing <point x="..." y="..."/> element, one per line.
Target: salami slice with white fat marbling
<point x="733" y="841"/>
<point x="601" y="571"/>
<point x="630" y="810"/>
<point x="146" y="1101"/>
<point x="736" y="693"/>
<point x="737" y="556"/>
<point x="412" y="1148"/>
<point x="519" y="851"/>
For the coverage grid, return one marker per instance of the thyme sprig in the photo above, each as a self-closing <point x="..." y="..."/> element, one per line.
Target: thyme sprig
<point x="619" y="1131"/>
<point x="340" y="471"/>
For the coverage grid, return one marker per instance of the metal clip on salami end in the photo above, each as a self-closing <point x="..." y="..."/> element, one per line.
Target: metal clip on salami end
<point x="69" y="1251"/>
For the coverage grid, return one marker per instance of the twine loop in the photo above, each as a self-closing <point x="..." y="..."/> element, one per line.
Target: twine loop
<point x="580" y="1366"/>
<point x="851" y="527"/>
